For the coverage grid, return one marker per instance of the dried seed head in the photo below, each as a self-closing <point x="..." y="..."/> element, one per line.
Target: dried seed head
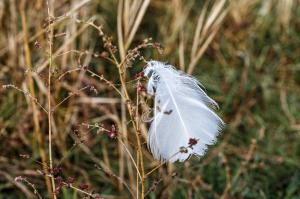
<point x="140" y="89"/>
<point x="192" y="142"/>
<point x="25" y="156"/>
<point x="113" y="133"/>
<point x="56" y="170"/>
<point x="183" y="150"/>
<point x="18" y="178"/>
<point x="83" y="186"/>
<point x="93" y="89"/>
<point x="104" y="54"/>
<point x="70" y="181"/>
<point x="97" y="196"/>
<point x="174" y="174"/>
<point x="139" y="75"/>
<point x="37" y="45"/>
<point x="59" y="180"/>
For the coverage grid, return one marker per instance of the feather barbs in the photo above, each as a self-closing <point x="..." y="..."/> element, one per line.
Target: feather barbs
<point x="184" y="122"/>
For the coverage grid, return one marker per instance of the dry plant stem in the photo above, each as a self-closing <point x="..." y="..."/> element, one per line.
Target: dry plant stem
<point x="154" y="169"/>
<point x="134" y="121"/>
<point x="72" y="38"/>
<point x="162" y="163"/>
<point x="106" y="81"/>
<point x="37" y="129"/>
<point x="50" y="38"/>
<point x="68" y="72"/>
<point x="123" y="106"/>
<point x="137" y="132"/>
<point x="121" y="156"/>
<point x="75" y="188"/>
<point x="122" y="19"/>
<point x="241" y="169"/>
<point x="137" y="22"/>
<point x="59" y="19"/>
<point x="137" y="180"/>
<point x="83" y="53"/>
<point x="134" y="163"/>
<point x="228" y="176"/>
<point x="80" y="190"/>
<point x="118" y="178"/>
<point x="206" y="29"/>
<point x="69" y="96"/>
<point x="158" y="166"/>
<point x="26" y="93"/>
<point x="23" y="179"/>
<point x="120" y="31"/>
<point x="18" y="184"/>
<point x="181" y="51"/>
<point x="137" y="126"/>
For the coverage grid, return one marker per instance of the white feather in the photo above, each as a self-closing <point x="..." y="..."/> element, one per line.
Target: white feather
<point x="182" y="110"/>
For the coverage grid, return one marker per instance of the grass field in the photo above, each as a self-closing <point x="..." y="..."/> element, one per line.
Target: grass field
<point x="67" y="132"/>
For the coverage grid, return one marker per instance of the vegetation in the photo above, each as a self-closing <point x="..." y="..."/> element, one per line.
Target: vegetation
<point x="73" y="105"/>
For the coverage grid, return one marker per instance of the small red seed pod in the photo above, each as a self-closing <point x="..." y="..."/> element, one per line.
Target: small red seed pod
<point x="37" y="45"/>
<point x="113" y="133"/>
<point x="140" y="89"/>
<point x="70" y="181"/>
<point x="83" y="186"/>
<point x="192" y="142"/>
<point x="56" y="170"/>
<point x="139" y="75"/>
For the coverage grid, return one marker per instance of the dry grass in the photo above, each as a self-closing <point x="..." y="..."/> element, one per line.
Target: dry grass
<point x="72" y="109"/>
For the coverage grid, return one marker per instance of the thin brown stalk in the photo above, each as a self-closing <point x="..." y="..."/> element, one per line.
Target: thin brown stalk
<point x="137" y="22"/>
<point x="128" y="13"/>
<point x="42" y="31"/>
<point x="66" y="98"/>
<point x="50" y="38"/>
<point x="123" y="107"/>
<point x="133" y="8"/>
<point x="209" y="23"/>
<point x="285" y="6"/>
<point x="37" y="129"/>
<point x="106" y="81"/>
<point x="110" y="173"/>
<point x="18" y="184"/>
<point x="137" y="134"/>
<point x="80" y="190"/>
<point x="181" y="52"/>
<point x="135" y="165"/>
<point x="199" y="27"/>
<point x="120" y="30"/>
<point x="62" y="48"/>
<point x="27" y="94"/>
<point x="75" y="188"/>
<point x="121" y="69"/>
<point x="241" y="169"/>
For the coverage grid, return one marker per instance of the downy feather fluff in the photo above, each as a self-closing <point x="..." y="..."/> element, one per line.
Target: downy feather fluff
<point x="182" y="111"/>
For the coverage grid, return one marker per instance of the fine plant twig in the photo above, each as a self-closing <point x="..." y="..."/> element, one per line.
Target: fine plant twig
<point x="50" y="40"/>
<point x="34" y="101"/>
<point x="23" y="179"/>
<point x="26" y="93"/>
<point x="209" y="22"/>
